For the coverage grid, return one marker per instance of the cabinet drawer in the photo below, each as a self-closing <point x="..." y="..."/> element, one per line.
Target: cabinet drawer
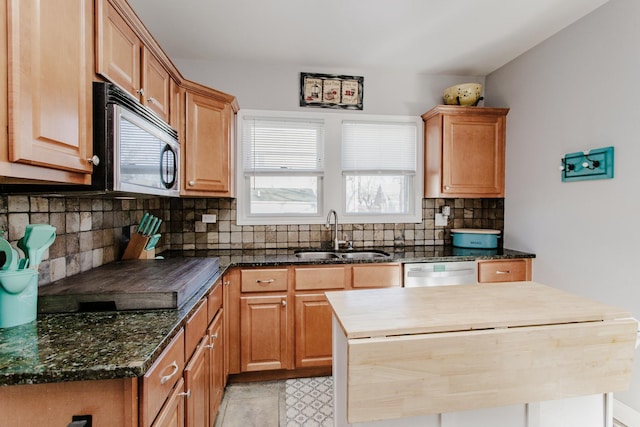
<point x="312" y="278"/>
<point x="195" y="328"/>
<point x="513" y="270"/>
<point x="214" y="300"/>
<point x="377" y="275"/>
<point x="160" y="379"/>
<point x="264" y="280"/>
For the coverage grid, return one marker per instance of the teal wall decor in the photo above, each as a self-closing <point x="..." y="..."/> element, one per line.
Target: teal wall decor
<point x="590" y="164"/>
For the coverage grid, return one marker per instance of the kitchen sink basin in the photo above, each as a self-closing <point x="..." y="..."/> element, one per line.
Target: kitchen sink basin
<point x="317" y="255"/>
<point x="348" y="254"/>
<point x="364" y="255"/>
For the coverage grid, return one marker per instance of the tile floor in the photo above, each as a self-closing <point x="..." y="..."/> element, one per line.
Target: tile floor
<point x="261" y="404"/>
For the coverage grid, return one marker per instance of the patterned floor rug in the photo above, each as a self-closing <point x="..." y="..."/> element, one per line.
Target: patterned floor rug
<point x="309" y="402"/>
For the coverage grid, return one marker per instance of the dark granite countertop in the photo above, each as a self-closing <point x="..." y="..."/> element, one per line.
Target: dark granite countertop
<point x="105" y="345"/>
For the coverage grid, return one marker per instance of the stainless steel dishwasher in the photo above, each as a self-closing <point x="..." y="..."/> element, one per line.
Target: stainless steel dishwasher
<point x="440" y="273"/>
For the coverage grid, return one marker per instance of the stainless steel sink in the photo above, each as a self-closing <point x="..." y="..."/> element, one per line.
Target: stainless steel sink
<point x="317" y="255"/>
<point x="364" y="255"/>
<point x="350" y="254"/>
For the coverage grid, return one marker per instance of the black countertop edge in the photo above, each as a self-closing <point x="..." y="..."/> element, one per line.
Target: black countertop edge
<point x="277" y="257"/>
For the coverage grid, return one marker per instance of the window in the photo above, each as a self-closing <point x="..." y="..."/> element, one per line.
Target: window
<point x="282" y="165"/>
<point x="379" y="166"/>
<point x="295" y="166"/>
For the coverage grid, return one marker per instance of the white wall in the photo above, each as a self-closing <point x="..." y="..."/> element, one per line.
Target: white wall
<point x="277" y="87"/>
<point x="578" y="90"/>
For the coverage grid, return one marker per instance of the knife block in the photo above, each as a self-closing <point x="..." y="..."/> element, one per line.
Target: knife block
<point x="136" y="248"/>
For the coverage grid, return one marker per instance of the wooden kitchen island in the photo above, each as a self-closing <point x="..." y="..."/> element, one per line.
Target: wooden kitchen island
<point x="516" y="354"/>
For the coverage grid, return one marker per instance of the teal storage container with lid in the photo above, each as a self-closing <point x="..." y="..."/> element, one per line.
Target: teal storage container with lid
<point x="18" y="297"/>
<point x="478" y="238"/>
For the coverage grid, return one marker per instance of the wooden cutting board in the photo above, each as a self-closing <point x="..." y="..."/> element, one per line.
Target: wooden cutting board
<point x="129" y="285"/>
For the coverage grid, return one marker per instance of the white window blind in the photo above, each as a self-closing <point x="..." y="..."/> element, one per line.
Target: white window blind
<point x="387" y="147"/>
<point x="278" y="145"/>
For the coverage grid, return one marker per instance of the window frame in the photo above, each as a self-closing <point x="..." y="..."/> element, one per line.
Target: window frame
<point x="333" y="176"/>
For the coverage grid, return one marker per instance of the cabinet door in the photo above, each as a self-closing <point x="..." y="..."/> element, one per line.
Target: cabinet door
<point x="118" y="48"/>
<point x="313" y="331"/>
<point x="156" y="85"/>
<point x="263" y="329"/>
<point x="376" y="275"/>
<point x="207" y="150"/>
<point x="216" y="366"/>
<point x="473" y="155"/>
<point x="172" y="414"/>
<point x="196" y="380"/>
<point x="50" y="75"/>
<point x="508" y="270"/>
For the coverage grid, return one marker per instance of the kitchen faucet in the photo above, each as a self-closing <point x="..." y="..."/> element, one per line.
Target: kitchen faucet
<point x="336" y="244"/>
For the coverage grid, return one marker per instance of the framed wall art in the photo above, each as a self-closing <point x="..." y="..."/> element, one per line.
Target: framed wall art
<point x="331" y="91"/>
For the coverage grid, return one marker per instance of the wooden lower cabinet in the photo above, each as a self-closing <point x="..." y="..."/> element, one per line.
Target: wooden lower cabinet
<point x="265" y="338"/>
<point x="313" y="331"/>
<point x="217" y="376"/>
<point x="196" y="380"/>
<point x="267" y="333"/>
<point x="173" y="412"/>
<point x="109" y="402"/>
<point x="506" y="270"/>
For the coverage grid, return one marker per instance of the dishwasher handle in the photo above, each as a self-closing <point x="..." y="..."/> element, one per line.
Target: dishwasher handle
<point x="448" y="273"/>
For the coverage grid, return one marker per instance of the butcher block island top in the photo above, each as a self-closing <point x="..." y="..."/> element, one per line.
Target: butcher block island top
<point x="404" y="311"/>
<point x="414" y="353"/>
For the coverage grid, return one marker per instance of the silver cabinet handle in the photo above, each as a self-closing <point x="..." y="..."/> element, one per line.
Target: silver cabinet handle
<point x="214" y="336"/>
<point x="266" y="282"/>
<point x="192" y="183"/>
<point x="209" y="346"/>
<point x="166" y="378"/>
<point x="151" y="100"/>
<point x="503" y="271"/>
<point x="227" y="282"/>
<point x="140" y="91"/>
<point x="187" y="393"/>
<point x="283" y="303"/>
<point x="446" y="187"/>
<point x="94" y="160"/>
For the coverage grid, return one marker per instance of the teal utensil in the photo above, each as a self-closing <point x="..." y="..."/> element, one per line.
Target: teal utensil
<point x="8" y="251"/>
<point x="36" y="241"/>
<point x="153" y="241"/>
<point x="143" y="222"/>
<point x="149" y="231"/>
<point x="156" y="227"/>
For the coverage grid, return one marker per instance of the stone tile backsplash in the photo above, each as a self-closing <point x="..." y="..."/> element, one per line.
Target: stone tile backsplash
<point x="92" y="231"/>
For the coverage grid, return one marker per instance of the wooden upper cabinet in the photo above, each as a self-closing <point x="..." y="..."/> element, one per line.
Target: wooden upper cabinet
<point x="464" y="151"/>
<point x="49" y="101"/>
<point x="123" y="58"/>
<point x="208" y="147"/>
<point x="118" y="48"/>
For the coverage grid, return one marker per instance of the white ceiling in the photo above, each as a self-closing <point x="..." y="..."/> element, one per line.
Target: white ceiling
<point x="456" y="37"/>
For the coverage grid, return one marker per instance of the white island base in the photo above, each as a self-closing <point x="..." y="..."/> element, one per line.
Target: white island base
<point x="582" y="411"/>
<point x="515" y="354"/>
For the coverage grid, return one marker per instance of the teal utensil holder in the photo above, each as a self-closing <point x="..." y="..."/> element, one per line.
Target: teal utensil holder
<point x="18" y="297"/>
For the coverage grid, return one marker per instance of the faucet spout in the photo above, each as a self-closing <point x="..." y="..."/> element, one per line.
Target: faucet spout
<point x="334" y="239"/>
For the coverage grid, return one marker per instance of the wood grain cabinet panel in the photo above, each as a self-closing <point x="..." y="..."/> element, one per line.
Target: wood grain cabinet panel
<point x="320" y="277"/>
<point x="196" y="380"/>
<point x="159" y="380"/>
<point x="208" y="150"/>
<point x="49" y="96"/>
<point x="511" y="270"/>
<point x="464" y="151"/>
<point x="216" y="364"/>
<point x="265" y="341"/>
<point x="123" y="58"/>
<point x="264" y="279"/>
<point x="376" y="275"/>
<point x="313" y="331"/>
<point x="173" y="412"/>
